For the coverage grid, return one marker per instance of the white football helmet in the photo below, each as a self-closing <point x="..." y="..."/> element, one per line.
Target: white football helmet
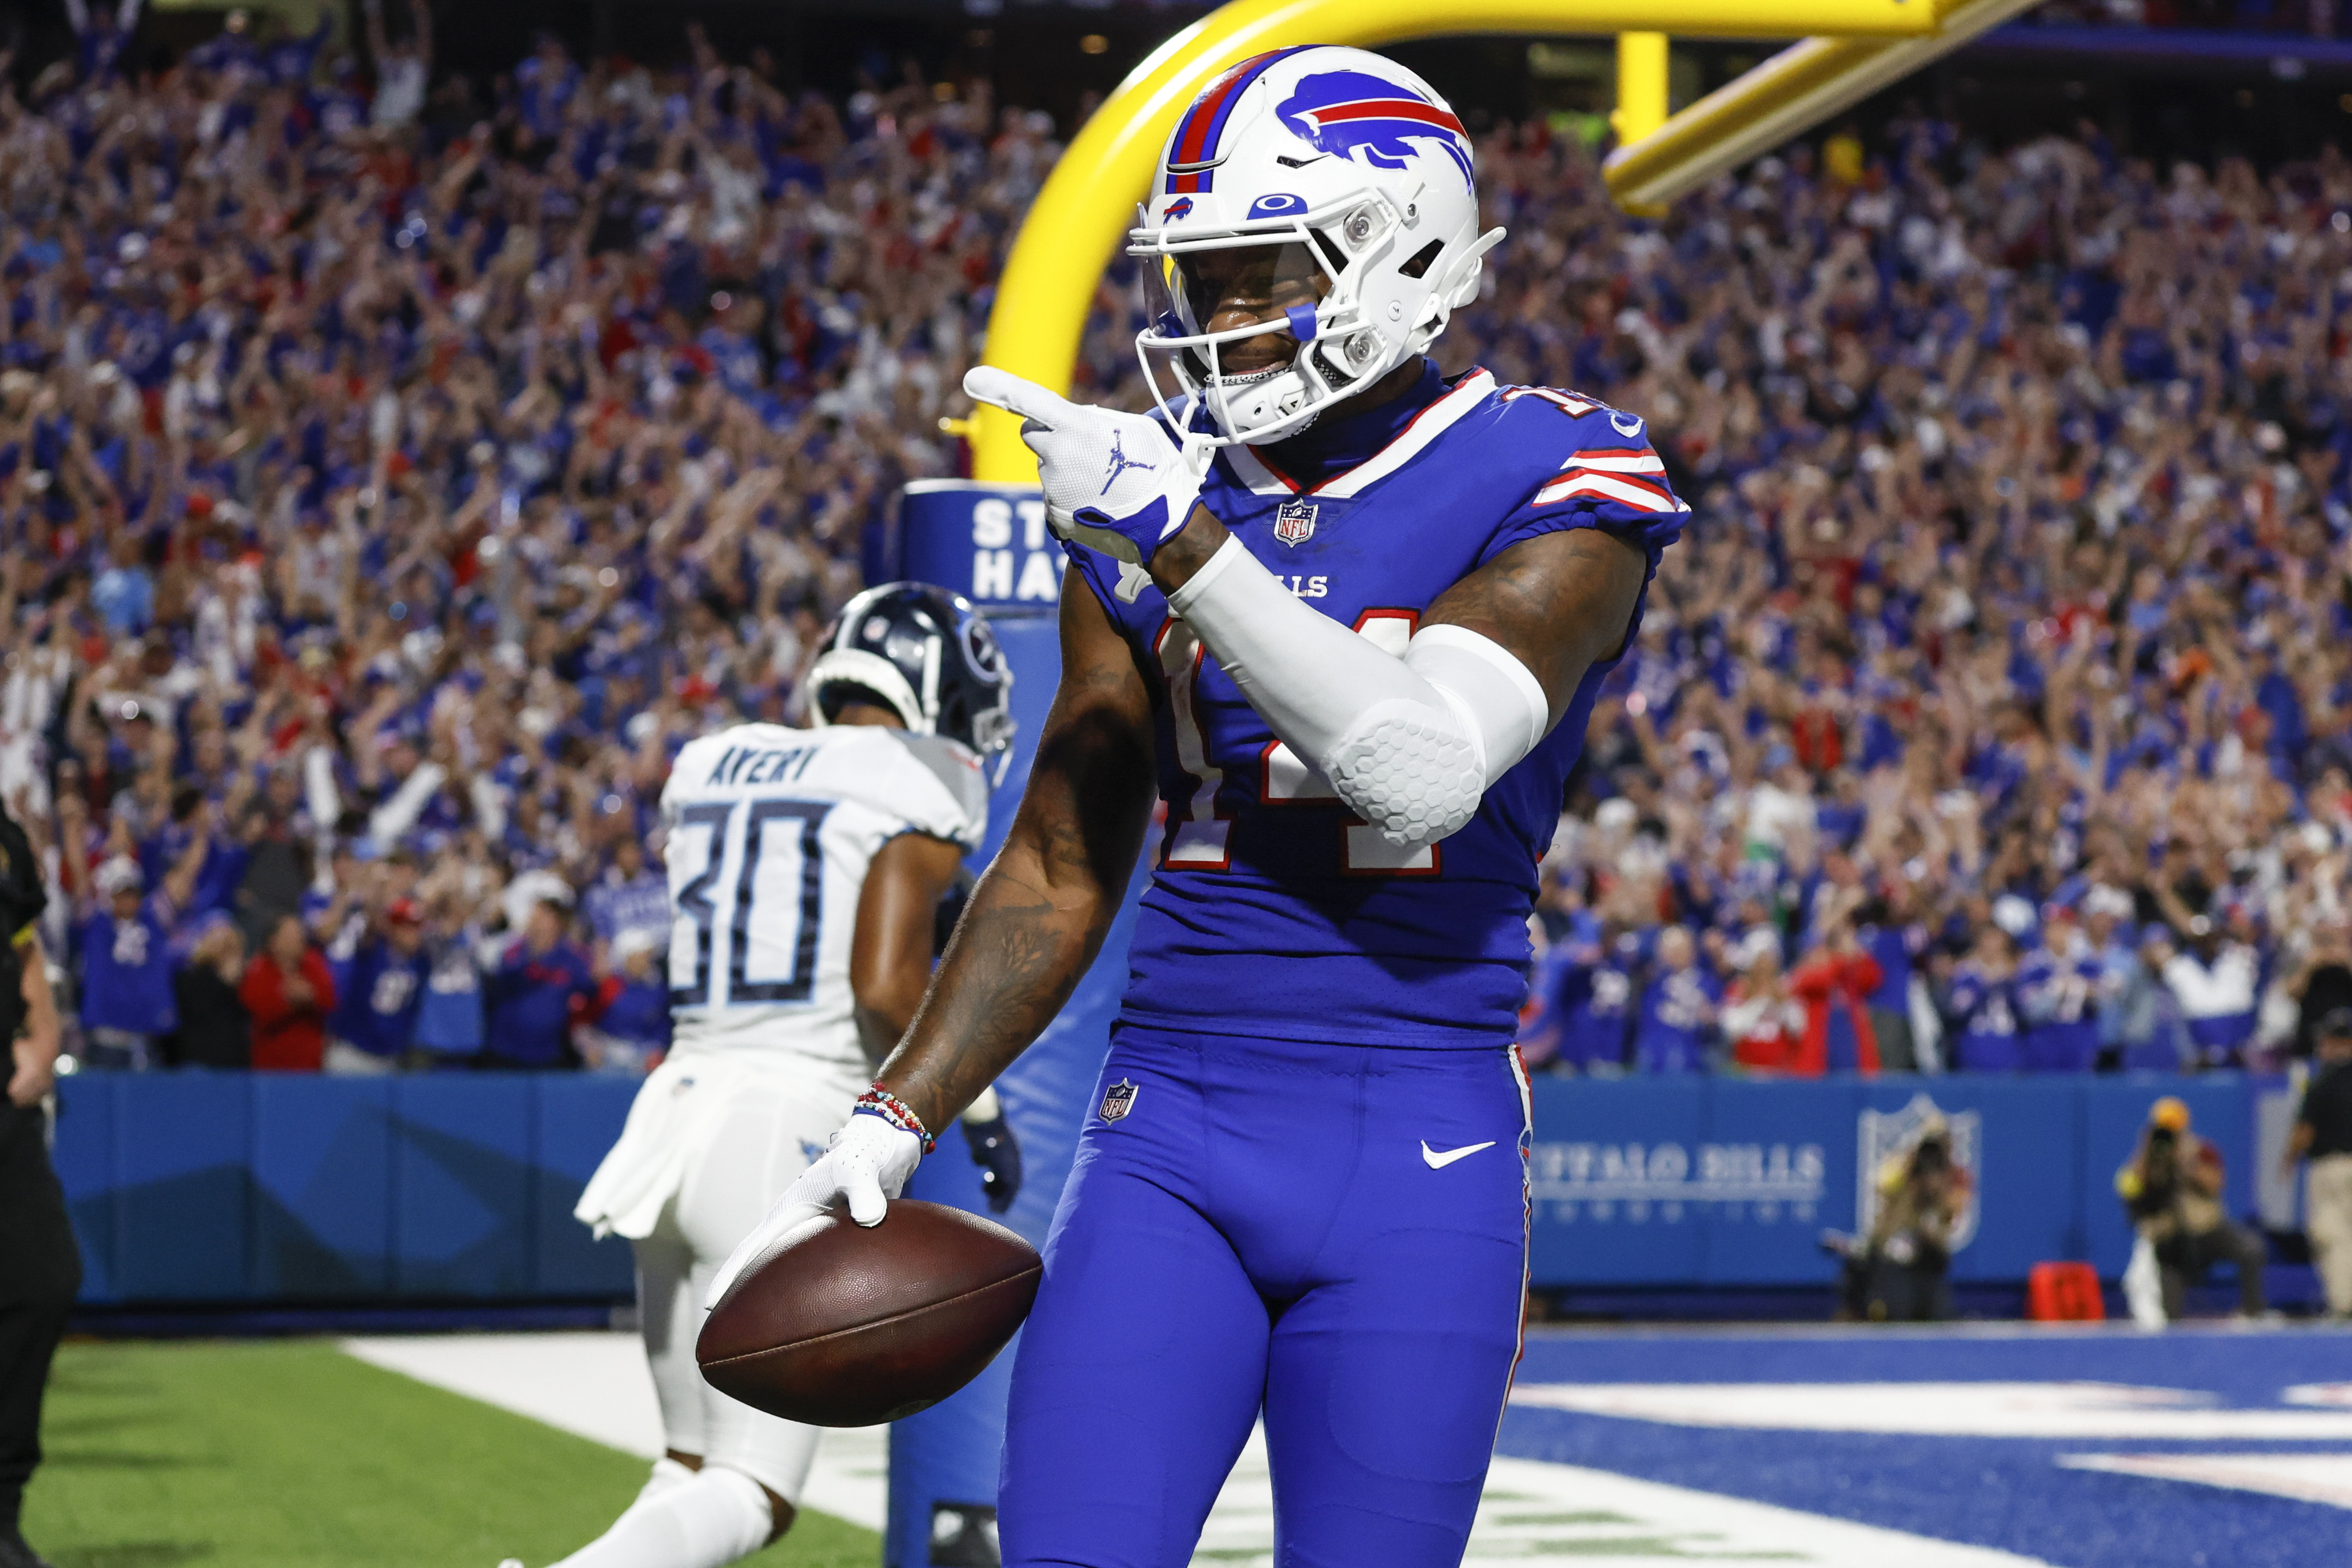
<point x="1360" y="163"/>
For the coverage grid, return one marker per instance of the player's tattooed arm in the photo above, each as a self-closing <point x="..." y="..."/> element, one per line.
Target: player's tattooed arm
<point x="1559" y="602"/>
<point x="1039" y="914"/>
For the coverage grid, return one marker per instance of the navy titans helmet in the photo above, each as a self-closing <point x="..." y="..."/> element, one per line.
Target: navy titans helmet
<point x="927" y="656"/>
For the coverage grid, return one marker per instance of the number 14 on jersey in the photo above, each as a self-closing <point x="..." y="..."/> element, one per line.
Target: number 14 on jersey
<point x="1198" y="839"/>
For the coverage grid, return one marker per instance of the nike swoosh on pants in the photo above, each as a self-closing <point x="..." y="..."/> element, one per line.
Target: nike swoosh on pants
<point x="1438" y="1162"/>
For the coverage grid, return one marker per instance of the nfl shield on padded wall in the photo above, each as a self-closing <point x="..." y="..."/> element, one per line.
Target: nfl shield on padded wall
<point x="1294" y="522"/>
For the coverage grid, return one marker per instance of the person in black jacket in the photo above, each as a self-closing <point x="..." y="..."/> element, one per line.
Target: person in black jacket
<point x="215" y="1028"/>
<point x="2322" y="987"/>
<point x="40" y="1270"/>
<point x="2323" y="1135"/>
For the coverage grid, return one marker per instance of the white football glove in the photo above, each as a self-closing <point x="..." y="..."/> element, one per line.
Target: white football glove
<point x="1119" y="482"/>
<point x="867" y="1163"/>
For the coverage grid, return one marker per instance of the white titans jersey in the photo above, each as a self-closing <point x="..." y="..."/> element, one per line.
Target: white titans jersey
<point x="771" y="833"/>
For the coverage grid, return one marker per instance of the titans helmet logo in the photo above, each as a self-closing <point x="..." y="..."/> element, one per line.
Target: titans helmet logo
<point x="1360" y="116"/>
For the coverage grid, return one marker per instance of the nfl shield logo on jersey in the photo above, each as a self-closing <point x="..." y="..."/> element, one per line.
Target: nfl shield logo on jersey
<point x="1117" y="1101"/>
<point x="1294" y="522"/>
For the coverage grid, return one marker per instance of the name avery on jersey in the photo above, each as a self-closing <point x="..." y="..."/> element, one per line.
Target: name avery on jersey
<point x="748" y="765"/>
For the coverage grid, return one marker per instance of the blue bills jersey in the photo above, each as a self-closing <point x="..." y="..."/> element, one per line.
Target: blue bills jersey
<point x="1275" y="910"/>
<point x="1985" y="1006"/>
<point x="2059" y="996"/>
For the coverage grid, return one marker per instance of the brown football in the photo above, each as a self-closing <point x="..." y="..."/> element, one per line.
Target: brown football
<point x="843" y="1326"/>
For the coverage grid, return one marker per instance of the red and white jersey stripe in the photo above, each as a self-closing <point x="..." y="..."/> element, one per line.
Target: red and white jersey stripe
<point x="1575" y="407"/>
<point x="1618" y="475"/>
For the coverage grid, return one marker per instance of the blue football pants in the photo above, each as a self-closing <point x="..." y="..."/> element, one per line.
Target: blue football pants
<point x="1284" y="1227"/>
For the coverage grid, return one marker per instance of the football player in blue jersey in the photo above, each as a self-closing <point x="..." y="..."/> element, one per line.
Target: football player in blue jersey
<point x="1349" y="617"/>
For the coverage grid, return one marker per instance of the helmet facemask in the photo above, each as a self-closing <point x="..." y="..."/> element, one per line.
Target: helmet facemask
<point x="1300" y="278"/>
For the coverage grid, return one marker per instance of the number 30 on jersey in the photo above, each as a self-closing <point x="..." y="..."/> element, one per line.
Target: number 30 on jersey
<point x="773" y="910"/>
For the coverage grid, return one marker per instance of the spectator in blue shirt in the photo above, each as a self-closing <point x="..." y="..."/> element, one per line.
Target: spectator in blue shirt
<point x="215" y="886"/>
<point x="1590" y="990"/>
<point x="125" y="936"/>
<point x="1891" y="933"/>
<point x="542" y="987"/>
<point x="124" y="592"/>
<point x="630" y="896"/>
<point x="1678" y="1009"/>
<point x="449" y="1016"/>
<point x="632" y="1026"/>
<point x="2058" y="992"/>
<point x="2148" y="1035"/>
<point x="1983" y="1005"/>
<point x="374" y="1021"/>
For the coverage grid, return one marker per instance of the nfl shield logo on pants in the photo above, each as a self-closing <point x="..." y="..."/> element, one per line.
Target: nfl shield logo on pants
<point x="1294" y="522"/>
<point x="1117" y="1101"/>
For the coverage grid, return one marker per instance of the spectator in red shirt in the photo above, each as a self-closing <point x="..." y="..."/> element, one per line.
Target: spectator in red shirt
<point x="1765" y="1024"/>
<point x="1834" y="982"/>
<point x="290" y="992"/>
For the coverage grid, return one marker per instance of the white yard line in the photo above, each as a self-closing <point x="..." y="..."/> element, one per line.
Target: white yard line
<point x="1535" y="1509"/>
<point x="2306" y="1478"/>
<point x="595" y="1385"/>
<point x="2099" y="1411"/>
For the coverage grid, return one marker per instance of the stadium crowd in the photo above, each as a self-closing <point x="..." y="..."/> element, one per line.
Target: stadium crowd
<point x="393" y="479"/>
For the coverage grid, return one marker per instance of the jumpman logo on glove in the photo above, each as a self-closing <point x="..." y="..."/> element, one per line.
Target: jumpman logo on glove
<point x="1120" y="463"/>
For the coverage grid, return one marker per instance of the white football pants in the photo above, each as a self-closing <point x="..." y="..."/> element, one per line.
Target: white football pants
<point x="774" y="1127"/>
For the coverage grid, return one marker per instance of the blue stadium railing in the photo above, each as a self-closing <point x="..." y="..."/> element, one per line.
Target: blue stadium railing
<point x="262" y="1189"/>
<point x="271" y="1187"/>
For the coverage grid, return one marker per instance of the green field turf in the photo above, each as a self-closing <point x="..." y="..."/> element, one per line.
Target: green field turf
<point x="288" y="1454"/>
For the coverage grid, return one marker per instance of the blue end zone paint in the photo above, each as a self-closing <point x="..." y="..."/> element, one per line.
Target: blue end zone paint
<point x="2005" y="1492"/>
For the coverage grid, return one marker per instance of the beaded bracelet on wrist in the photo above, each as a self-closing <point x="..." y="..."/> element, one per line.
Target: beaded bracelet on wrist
<point x="879" y="1102"/>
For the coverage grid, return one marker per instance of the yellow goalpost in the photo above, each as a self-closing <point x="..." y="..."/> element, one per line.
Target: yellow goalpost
<point x="1850" y="47"/>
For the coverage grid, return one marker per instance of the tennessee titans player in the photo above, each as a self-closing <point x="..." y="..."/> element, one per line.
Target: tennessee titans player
<point x="1350" y="617"/>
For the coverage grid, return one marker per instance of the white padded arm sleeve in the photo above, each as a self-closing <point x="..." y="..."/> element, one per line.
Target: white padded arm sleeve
<point x="1410" y="744"/>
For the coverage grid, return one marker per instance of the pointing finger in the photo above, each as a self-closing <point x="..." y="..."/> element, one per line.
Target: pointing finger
<point x="1003" y="389"/>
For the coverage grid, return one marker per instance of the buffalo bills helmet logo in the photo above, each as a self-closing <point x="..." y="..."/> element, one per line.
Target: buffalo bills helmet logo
<point x="1348" y="112"/>
<point x="1279" y="205"/>
<point x="1182" y="207"/>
